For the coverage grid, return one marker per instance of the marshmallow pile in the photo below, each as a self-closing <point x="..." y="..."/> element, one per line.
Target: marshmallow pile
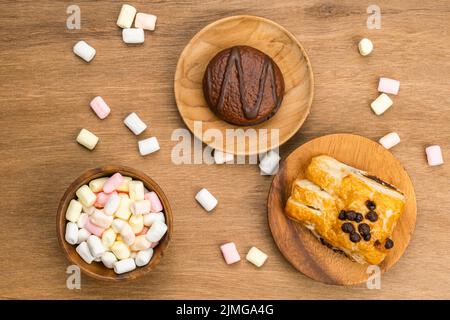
<point x="115" y="221"/>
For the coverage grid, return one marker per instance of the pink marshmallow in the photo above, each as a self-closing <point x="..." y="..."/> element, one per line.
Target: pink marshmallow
<point x="100" y="107"/>
<point x="154" y="244"/>
<point x="230" y="253"/>
<point x="387" y="85"/>
<point x="434" y="155"/>
<point x="113" y="183"/>
<point x="154" y="200"/>
<point x="102" y="198"/>
<point x="143" y="232"/>
<point x="93" y="228"/>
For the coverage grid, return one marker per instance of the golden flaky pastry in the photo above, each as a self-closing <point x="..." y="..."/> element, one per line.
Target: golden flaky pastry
<point x="347" y="209"/>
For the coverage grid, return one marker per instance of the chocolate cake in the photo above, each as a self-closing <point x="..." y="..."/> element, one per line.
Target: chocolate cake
<point x="243" y="86"/>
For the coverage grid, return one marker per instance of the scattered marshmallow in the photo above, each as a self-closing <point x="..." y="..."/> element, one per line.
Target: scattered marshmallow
<point x="269" y="163"/>
<point x="84" y="51"/>
<point x="148" y="146"/>
<point x="365" y="47"/>
<point x="83" y="250"/>
<point x="230" y="253"/>
<point x="133" y="35"/>
<point x="143" y="257"/>
<point x="221" y="157"/>
<point x="390" y="140"/>
<point x="87" y="139"/>
<point x="86" y="196"/>
<point x="381" y="104"/>
<point x="71" y="235"/>
<point x="126" y="16"/>
<point x="134" y="123"/>
<point x="434" y="155"/>
<point x="157" y="230"/>
<point x="73" y="211"/>
<point x="256" y="256"/>
<point x="99" y="106"/>
<point x="124" y="266"/>
<point x="387" y="85"/>
<point x="145" y="21"/>
<point x="206" y="199"/>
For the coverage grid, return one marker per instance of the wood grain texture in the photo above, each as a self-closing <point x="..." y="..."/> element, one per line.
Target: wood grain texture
<point x="299" y="245"/>
<point x="266" y="36"/>
<point x="44" y="101"/>
<point x="98" y="270"/>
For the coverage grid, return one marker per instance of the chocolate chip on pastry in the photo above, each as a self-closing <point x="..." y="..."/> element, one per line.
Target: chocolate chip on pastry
<point x="330" y="188"/>
<point x="371" y="205"/>
<point x="389" y="244"/>
<point x="243" y="86"/>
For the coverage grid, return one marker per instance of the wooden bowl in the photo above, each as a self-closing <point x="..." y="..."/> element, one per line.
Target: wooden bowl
<point x="98" y="270"/>
<point x="299" y="246"/>
<point x="273" y="40"/>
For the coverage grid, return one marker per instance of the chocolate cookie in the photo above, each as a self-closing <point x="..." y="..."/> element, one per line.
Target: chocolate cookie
<point x="243" y="86"/>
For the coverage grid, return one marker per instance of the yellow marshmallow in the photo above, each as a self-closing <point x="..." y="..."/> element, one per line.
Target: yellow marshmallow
<point x="86" y="196"/>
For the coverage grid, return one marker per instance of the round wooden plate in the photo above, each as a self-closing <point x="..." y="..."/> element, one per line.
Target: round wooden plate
<point x="298" y="245"/>
<point x="261" y="34"/>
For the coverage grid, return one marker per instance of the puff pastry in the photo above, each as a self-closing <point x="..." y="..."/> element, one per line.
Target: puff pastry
<point x="347" y="209"/>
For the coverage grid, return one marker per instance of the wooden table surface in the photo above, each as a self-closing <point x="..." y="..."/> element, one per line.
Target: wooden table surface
<point x="44" y="99"/>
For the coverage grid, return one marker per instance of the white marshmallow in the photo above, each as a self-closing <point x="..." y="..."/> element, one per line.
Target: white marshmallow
<point x="136" y="223"/>
<point x="152" y="217"/>
<point x="120" y="250"/>
<point x="381" y="104"/>
<point x="148" y="146"/>
<point x="83" y="250"/>
<point x="143" y="257"/>
<point x="84" y="51"/>
<point x="117" y="225"/>
<point x="269" y="163"/>
<point x="133" y="35"/>
<point x="73" y="211"/>
<point x="112" y="204"/>
<point x="82" y="220"/>
<point x="87" y="139"/>
<point x="221" y="157"/>
<point x="123" y="212"/>
<point x="86" y="196"/>
<point x="126" y="16"/>
<point x="100" y="219"/>
<point x="390" y="140"/>
<point x="95" y="246"/>
<point x="157" y="230"/>
<point x="71" y="235"/>
<point x="365" y="46"/>
<point x="108" y="238"/>
<point x="125" y="265"/>
<point x="83" y="235"/>
<point x="141" y="206"/>
<point x="141" y="243"/>
<point x="136" y="190"/>
<point x="108" y="259"/>
<point x="256" y="256"/>
<point x="206" y="199"/>
<point x="135" y="124"/>
<point x="127" y="234"/>
<point x="96" y="185"/>
<point x="89" y="210"/>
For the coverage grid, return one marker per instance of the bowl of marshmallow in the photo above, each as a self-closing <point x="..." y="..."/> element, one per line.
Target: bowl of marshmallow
<point x="114" y="222"/>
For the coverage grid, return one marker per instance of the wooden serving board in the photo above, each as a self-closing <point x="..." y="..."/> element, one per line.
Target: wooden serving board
<point x="297" y="243"/>
<point x="264" y="35"/>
